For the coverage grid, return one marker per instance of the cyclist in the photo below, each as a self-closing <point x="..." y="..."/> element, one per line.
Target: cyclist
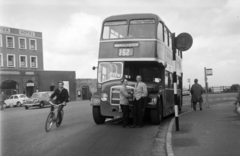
<point x="62" y="97"/>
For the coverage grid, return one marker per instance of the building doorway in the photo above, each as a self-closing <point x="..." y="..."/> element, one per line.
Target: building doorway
<point x="29" y="88"/>
<point x="85" y="92"/>
<point x="9" y="87"/>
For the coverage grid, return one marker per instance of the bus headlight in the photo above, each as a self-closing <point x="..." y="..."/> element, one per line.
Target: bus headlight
<point x="104" y="97"/>
<point x="153" y="101"/>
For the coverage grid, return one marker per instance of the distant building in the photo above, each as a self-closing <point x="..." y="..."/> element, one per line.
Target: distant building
<point x="22" y="64"/>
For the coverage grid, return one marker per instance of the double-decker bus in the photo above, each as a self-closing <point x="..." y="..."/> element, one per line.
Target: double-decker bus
<point x="131" y="45"/>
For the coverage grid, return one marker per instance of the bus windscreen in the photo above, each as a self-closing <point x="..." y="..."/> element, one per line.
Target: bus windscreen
<point x="142" y="28"/>
<point x="116" y="29"/>
<point x="109" y="71"/>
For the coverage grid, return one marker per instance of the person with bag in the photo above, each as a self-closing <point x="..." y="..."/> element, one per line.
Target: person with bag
<point x="197" y="92"/>
<point x="124" y="103"/>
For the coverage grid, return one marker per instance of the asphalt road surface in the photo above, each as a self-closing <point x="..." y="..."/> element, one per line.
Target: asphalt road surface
<point x="23" y="133"/>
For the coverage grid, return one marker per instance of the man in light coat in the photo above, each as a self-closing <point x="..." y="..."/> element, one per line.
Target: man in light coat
<point x="140" y="92"/>
<point x="197" y="92"/>
<point x="124" y="102"/>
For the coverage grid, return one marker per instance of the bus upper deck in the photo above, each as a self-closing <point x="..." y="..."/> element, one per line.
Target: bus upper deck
<point x="137" y="37"/>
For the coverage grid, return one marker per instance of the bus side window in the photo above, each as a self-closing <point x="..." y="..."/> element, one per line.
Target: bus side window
<point x="170" y="80"/>
<point x="170" y="40"/>
<point x="165" y="36"/>
<point x="178" y="80"/>
<point x="166" y="79"/>
<point x="160" y="31"/>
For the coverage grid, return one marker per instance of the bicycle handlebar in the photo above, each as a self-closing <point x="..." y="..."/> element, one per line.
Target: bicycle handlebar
<point x="55" y="104"/>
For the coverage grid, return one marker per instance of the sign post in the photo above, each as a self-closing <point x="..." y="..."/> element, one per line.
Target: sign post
<point x="182" y="42"/>
<point x="207" y="72"/>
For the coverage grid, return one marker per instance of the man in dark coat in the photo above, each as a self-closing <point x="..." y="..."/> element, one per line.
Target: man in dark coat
<point x="197" y="92"/>
<point x="62" y="97"/>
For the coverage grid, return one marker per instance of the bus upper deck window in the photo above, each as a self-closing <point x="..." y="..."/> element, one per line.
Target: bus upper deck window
<point x="160" y="31"/>
<point x="170" y="40"/>
<point x="165" y="36"/>
<point x="115" y="29"/>
<point x="142" y="28"/>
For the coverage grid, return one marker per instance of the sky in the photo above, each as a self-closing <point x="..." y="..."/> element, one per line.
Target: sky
<point x="71" y="32"/>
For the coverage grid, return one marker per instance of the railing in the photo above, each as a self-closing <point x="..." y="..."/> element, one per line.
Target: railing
<point x="222" y="89"/>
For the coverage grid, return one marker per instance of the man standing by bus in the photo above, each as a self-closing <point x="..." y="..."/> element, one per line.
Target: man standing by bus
<point x="124" y="102"/>
<point x="197" y="92"/>
<point x="140" y="92"/>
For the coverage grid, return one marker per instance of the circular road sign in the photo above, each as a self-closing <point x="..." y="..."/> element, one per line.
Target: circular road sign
<point x="184" y="41"/>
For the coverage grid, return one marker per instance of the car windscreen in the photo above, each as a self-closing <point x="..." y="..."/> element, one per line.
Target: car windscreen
<point x="37" y="95"/>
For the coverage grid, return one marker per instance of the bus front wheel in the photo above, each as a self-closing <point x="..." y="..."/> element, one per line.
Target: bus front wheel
<point x="98" y="118"/>
<point x="156" y="116"/>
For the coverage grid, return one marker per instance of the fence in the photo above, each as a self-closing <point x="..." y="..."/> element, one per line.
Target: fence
<point x="222" y="89"/>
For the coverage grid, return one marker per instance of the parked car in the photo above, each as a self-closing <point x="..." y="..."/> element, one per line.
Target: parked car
<point x="15" y="100"/>
<point x="39" y="99"/>
<point x="186" y="92"/>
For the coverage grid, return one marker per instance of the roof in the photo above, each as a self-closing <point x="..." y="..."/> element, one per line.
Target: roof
<point x="133" y="16"/>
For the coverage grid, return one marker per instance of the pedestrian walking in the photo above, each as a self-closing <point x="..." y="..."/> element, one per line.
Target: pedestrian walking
<point x="197" y="92"/>
<point x="140" y="92"/>
<point x="2" y="98"/>
<point x="124" y="103"/>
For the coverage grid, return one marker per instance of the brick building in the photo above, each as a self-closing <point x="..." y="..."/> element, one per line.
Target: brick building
<point x="21" y="64"/>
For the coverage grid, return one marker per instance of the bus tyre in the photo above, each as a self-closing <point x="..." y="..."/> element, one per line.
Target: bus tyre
<point x="156" y="117"/>
<point x="98" y="118"/>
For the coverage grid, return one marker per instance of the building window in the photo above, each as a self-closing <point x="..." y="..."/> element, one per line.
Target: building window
<point x="1" y="60"/>
<point x="22" y="43"/>
<point x="10" y="42"/>
<point x="22" y="60"/>
<point x="33" y="44"/>
<point x="1" y="41"/>
<point x="10" y="60"/>
<point x="33" y="62"/>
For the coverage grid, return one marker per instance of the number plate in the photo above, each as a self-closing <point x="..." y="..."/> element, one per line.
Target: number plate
<point x="125" y="52"/>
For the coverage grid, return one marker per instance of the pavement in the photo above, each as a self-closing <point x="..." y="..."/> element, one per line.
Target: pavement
<point x="211" y="132"/>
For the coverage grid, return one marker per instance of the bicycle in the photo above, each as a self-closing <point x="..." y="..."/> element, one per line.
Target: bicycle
<point x="52" y="118"/>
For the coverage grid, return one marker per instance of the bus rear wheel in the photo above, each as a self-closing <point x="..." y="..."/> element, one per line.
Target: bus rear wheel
<point x="156" y="116"/>
<point x="97" y="116"/>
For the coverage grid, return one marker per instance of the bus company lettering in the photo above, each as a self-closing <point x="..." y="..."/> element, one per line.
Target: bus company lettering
<point x="26" y="33"/>
<point x="124" y="45"/>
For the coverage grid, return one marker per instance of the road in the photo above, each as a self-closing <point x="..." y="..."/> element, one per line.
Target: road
<point x="23" y="133"/>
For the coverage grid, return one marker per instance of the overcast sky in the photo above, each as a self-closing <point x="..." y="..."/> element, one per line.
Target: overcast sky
<point x="71" y="32"/>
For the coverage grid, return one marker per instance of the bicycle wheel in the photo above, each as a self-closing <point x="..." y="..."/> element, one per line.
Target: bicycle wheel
<point x="49" y="121"/>
<point x="59" y="118"/>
